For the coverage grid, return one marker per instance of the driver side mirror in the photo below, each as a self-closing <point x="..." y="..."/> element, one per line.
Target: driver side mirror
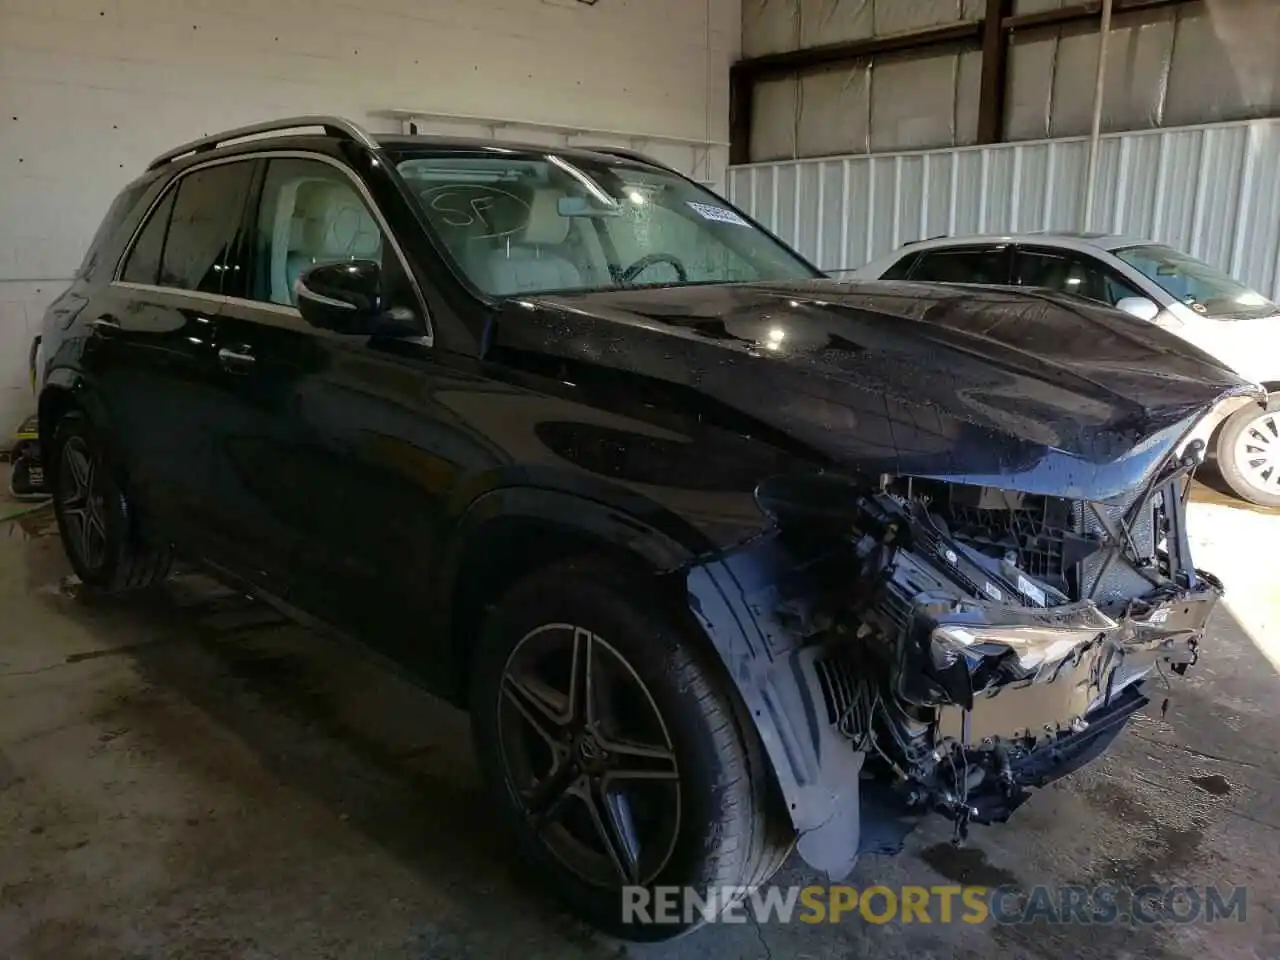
<point x="1139" y="307"/>
<point x="347" y="297"/>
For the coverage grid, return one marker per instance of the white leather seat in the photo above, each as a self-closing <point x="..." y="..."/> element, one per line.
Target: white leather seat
<point x="530" y="260"/>
<point x="330" y="225"/>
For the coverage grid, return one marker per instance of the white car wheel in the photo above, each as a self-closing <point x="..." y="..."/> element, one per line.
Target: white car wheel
<point x="1249" y="453"/>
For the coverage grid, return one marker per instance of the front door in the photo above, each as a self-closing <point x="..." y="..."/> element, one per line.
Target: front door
<point x="341" y="455"/>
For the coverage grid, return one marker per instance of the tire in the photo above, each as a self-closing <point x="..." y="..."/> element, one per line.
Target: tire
<point x="1236" y="453"/>
<point x="89" y="495"/>
<point x="730" y="830"/>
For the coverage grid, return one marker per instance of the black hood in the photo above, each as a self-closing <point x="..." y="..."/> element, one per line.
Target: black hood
<point x="1025" y="390"/>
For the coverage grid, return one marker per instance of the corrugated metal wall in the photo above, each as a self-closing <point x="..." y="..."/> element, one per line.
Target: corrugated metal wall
<point x="1212" y="190"/>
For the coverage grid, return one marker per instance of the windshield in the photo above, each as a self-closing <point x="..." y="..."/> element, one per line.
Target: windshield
<point x="1204" y="288"/>
<point x="534" y="223"/>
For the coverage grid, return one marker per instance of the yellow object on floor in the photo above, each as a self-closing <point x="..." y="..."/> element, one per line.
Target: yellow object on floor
<point x="26" y="482"/>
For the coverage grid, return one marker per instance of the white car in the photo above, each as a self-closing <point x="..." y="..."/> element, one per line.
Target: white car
<point x="1156" y="283"/>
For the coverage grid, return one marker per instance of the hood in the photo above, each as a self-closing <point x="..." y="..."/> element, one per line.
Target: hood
<point x="1024" y="390"/>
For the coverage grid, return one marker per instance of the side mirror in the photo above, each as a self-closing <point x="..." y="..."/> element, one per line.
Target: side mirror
<point x="347" y="297"/>
<point x="1139" y="307"/>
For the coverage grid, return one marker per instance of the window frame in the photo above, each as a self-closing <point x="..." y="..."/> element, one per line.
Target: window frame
<point x="455" y="272"/>
<point x="1004" y="253"/>
<point x="240" y="251"/>
<point x="1088" y="260"/>
<point x="171" y="187"/>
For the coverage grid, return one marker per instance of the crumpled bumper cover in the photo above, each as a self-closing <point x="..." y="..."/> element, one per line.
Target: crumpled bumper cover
<point x="1054" y="695"/>
<point x="1068" y="710"/>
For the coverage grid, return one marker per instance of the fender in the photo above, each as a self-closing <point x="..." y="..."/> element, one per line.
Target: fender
<point x="489" y="515"/>
<point x="757" y="605"/>
<point x="70" y="382"/>
<point x="664" y="548"/>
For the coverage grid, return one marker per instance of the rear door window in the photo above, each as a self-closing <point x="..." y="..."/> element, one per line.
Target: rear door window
<point x="963" y="265"/>
<point x="206" y="218"/>
<point x="187" y="240"/>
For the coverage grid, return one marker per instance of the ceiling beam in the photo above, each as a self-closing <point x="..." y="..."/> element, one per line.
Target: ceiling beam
<point x="829" y="54"/>
<point x="1080" y="12"/>
<point x="993" y="84"/>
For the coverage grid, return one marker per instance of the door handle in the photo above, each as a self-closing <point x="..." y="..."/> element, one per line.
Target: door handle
<point x="237" y="360"/>
<point x="106" y="324"/>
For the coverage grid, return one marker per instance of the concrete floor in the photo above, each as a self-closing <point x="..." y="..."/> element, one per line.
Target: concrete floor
<point x="192" y="778"/>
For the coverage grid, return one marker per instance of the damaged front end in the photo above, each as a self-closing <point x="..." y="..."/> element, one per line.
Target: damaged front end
<point x="916" y="646"/>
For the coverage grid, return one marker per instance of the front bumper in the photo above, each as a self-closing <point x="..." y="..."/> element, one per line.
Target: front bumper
<point x="1023" y="734"/>
<point x="1055" y="697"/>
<point x="869" y="726"/>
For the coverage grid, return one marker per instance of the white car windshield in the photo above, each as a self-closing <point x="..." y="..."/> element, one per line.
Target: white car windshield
<point x="1204" y="288"/>
<point x="527" y="223"/>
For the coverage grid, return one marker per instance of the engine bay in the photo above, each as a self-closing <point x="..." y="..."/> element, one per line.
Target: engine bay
<point x="984" y="642"/>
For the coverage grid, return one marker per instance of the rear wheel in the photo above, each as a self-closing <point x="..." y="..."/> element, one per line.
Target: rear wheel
<point x="96" y="518"/>
<point x="616" y="753"/>
<point x="1249" y="453"/>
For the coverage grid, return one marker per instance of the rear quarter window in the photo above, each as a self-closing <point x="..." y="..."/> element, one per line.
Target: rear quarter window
<point x="902" y="268"/>
<point x="118" y="213"/>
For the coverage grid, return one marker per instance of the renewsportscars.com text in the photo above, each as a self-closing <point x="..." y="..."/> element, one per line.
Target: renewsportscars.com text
<point x="939" y="904"/>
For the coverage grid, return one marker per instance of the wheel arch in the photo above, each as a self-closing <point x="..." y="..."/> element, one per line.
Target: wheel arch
<point x="65" y="389"/>
<point x="726" y="598"/>
<point x="54" y="402"/>
<point x="508" y="532"/>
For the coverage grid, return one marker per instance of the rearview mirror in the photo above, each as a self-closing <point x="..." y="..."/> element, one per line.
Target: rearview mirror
<point x="347" y="297"/>
<point x="1139" y="307"/>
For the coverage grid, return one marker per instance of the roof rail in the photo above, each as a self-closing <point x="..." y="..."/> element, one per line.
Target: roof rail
<point x="936" y="236"/>
<point x="336" y="126"/>
<point x="625" y="154"/>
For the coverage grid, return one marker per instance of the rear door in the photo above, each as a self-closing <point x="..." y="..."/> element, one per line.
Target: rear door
<point x="150" y="349"/>
<point x="976" y="263"/>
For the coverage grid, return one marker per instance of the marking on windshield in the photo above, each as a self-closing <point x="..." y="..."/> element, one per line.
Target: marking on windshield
<point x="470" y="204"/>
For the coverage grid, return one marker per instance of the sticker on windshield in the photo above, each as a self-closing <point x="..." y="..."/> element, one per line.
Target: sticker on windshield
<point x="709" y="211"/>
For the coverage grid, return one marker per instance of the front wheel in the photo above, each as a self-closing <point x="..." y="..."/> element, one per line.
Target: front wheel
<point x="617" y="755"/>
<point x="96" y="518"/>
<point x="1249" y="453"/>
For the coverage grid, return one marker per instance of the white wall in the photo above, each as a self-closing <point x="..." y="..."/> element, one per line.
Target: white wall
<point x="90" y="90"/>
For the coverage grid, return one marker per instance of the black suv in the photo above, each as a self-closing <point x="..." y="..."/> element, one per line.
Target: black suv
<point x="720" y="554"/>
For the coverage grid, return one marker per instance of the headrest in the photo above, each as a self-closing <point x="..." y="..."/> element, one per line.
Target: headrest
<point x="545" y="225"/>
<point x="336" y="223"/>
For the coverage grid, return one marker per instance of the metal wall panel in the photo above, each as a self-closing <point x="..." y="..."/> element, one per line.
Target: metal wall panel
<point x="1213" y="190"/>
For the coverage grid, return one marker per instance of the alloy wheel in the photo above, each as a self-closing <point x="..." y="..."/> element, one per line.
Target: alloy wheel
<point x="1257" y="452"/>
<point x="82" y="503"/>
<point x="588" y="757"/>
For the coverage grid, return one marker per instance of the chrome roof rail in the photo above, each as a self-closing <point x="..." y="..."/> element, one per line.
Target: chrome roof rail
<point x="336" y="126"/>
<point x="626" y="154"/>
